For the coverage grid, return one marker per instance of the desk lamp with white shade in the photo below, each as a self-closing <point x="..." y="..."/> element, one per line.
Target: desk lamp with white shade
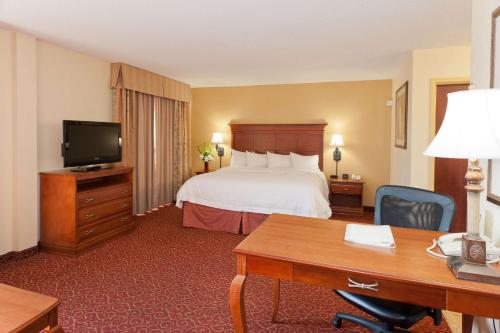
<point x="471" y="129"/>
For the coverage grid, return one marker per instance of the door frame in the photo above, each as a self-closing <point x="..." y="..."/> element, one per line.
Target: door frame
<point x="432" y="121"/>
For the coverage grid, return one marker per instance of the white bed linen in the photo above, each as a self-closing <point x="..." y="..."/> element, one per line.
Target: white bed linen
<point x="260" y="190"/>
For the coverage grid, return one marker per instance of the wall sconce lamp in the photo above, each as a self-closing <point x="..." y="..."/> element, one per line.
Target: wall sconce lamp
<point x="217" y="139"/>
<point x="337" y="141"/>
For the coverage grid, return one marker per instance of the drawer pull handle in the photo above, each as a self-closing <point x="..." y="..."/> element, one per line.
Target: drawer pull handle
<point x="354" y="284"/>
<point x="88" y="200"/>
<point x="125" y="191"/>
<point x="123" y="219"/>
<point x="89" y="231"/>
<point x="89" y="216"/>
<point x="123" y="205"/>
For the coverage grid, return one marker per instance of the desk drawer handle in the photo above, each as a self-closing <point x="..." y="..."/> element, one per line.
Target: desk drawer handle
<point x="123" y="205"/>
<point x="88" y="232"/>
<point x="123" y="219"/>
<point x="125" y="191"/>
<point x="354" y="284"/>
<point x="88" y="200"/>
<point x="89" y="216"/>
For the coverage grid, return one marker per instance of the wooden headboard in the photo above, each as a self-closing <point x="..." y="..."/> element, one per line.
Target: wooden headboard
<point x="303" y="139"/>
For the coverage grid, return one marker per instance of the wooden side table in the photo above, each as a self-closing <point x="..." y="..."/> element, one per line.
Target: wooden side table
<point x="346" y="196"/>
<point x="26" y="311"/>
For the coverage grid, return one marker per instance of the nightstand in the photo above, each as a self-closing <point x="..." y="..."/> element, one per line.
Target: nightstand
<point x="346" y="196"/>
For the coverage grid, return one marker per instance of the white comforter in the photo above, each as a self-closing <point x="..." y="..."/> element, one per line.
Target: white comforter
<point x="260" y="190"/>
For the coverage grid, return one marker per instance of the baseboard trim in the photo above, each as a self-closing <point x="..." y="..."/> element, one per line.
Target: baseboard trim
<point x="17" y="255"/>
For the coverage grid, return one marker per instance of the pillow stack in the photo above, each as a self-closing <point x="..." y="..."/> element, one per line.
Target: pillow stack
<point x="274" y="161"/>
<point x="255" y="160"/>
<point x="305" y="163"/>
<point x="278" y="161"/>
<point x="238" y="159"/>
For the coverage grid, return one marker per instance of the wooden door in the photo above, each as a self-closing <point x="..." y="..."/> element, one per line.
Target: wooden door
<point x="449" y="173"/>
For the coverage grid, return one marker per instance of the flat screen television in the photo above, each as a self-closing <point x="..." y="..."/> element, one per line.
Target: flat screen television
<point x="90" y="143"/>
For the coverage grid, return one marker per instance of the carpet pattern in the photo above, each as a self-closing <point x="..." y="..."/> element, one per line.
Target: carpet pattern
<point x="165" y="278"/>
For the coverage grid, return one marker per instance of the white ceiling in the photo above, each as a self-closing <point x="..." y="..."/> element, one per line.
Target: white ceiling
<point x="237" y="42"/>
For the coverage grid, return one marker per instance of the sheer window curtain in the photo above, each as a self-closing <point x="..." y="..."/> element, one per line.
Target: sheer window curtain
<point x="155" y="141"/>
<point x="181" y="143"/>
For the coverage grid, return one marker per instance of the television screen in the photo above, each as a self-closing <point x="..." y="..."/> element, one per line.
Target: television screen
<point x="89" y="142"/>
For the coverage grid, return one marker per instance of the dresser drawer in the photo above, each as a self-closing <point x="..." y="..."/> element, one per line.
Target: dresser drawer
<point x="95" y="230"/>
<point x="345" y="188"/>
<point x="376" y="287"/>
<point x="97" y="196"/>
<point x="94" y="213"/>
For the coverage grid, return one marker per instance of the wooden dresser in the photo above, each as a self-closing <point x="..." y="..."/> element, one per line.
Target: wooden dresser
<point x="346" y="196"/>
<point x="80" y="210"/>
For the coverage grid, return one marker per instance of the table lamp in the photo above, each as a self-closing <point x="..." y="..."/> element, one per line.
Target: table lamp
<point x="337" y="141"/>
<point x="217" y="139"/>
<point x="471" y="129"/>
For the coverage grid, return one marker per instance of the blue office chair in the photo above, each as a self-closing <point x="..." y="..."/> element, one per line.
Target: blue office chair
<point x="405" y="207"/>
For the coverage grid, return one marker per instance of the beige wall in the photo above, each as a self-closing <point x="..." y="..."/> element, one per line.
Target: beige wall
<point x="410" y="166"/>
<point x="25" y="167"/>
<point x="18" y="128"/>
<point x="71" y="86"/>
<point x="480" y="77"/>
<point x="355" y="109"/>
<point x="400" y="158"/>
<point x="7" y="54"/>
<point x="430" y="64"/>
<point x="40" y="85"/>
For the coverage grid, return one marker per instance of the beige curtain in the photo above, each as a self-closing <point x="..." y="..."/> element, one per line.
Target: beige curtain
<point x="154" y="112"/>
<point x="137" y="79"/>
<point x="164" y="176"/>
<point x="155" y="141"/>
<point x="181" y="143"/>
<point x="144" y="159"/>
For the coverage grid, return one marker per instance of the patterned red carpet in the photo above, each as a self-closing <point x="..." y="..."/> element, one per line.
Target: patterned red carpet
<point x="164" y="278"/>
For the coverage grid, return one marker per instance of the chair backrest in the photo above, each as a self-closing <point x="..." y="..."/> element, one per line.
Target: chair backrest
<point x="410" y="207"/>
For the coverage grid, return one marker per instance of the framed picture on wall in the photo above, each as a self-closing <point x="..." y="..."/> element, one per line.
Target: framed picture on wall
<point x="494" y="165"/>
<point x="401" y="121"/>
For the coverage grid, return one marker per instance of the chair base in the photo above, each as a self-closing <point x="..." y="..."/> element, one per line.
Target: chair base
<point x="375" y="327"/>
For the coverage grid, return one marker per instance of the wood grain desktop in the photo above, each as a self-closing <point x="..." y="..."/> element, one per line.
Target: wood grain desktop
<point x="313" y="251"/>
<point x="24" y="311"/>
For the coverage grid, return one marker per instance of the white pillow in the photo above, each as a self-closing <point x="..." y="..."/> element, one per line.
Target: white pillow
<point x="305" y="163"/>
<point x="255" y="160"/>
<point x="238" y="159"/>
<point x="278" y="161"/>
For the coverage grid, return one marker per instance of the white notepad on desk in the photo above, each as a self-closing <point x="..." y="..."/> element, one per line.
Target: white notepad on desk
<point x="374" y="235"/>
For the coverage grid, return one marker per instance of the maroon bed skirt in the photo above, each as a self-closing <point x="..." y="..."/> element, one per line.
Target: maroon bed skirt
<point x="208" y="218"/>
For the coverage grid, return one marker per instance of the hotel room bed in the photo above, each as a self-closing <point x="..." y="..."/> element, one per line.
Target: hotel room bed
<point x="238" y="199"/>
<point x="233" y="196"/>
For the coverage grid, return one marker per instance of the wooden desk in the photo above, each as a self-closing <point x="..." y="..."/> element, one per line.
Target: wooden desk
<point x="25" y="311"/>
<point x="313" y="251"/>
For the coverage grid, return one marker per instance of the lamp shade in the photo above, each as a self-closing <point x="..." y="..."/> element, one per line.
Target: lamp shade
<point x="217" y="138"/>
<point x="337" y="140"/>
<point x="471" y="126"/>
